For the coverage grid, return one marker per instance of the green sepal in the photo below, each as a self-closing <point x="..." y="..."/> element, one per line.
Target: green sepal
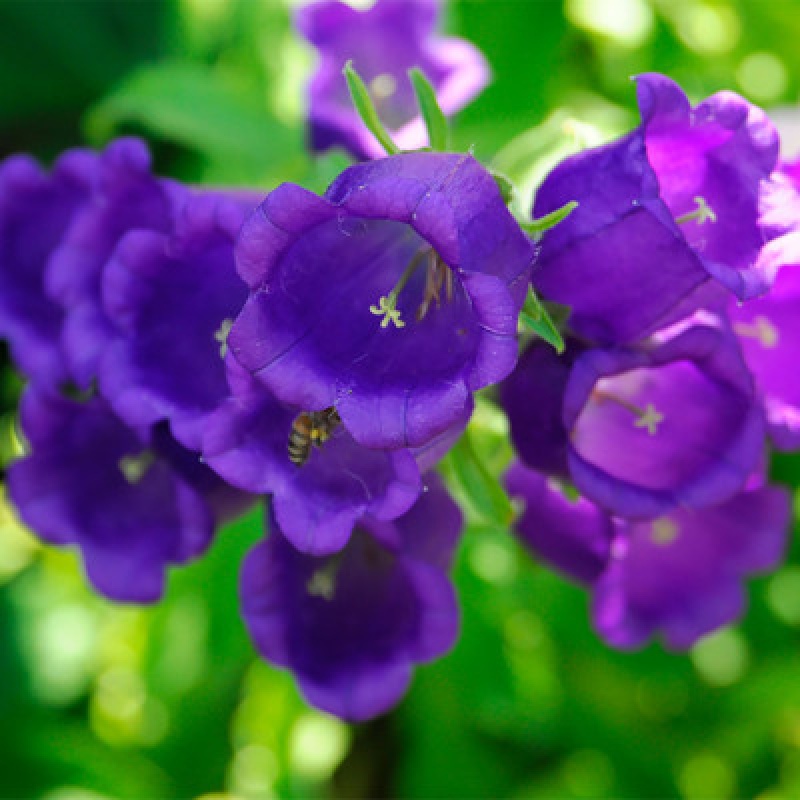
<point x="537" y="227"/>
<point x="435" y="120"/>
<point x="366" y="109"/>
<point x="484" y="491"/>
<point x="504" y="185"/>
<point x="534" y="317"/>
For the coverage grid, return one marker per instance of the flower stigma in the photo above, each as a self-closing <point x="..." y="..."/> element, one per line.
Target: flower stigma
<point x="760" y="329"/>
<point x="664" y="531"/>
<point x="702" y="214"/>
<point x="648" y="417"/>
<point x="437" y="276"/>
<point x="221" y="336"/>
<point x="135" y="467"/>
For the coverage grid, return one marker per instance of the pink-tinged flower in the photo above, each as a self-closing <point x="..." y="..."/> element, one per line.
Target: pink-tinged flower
<point x="383" y="42"/>
<point x="352" y="626"/>
<point x="668" y="219"/>
<point x="679" y="576"/>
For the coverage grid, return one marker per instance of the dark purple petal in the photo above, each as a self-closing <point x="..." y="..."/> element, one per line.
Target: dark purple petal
<point x="384" y="42"/>
<point x="574" y="536"/>
<point x="169" y="298"/>
<point x="317" y="266"/>
<point x="124" y="196"/>
<point x="681" y="575"/>
<point x="93" y="482"/>
<point x="36" y="211"/>
<point x="351" y="626"/>
<point x="318" y="503"/>
<point x="533" y="397"/>
<point x="675" y="425"/>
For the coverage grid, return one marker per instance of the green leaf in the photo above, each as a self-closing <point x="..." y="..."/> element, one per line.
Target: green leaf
<point x="534" y="317"/>
<point x="537" y="227"/>
<point x="481" y="488"/>
<point x="435" y="120"/>
<point x="366" y="109"/>
<point x="204" y="110"/>
<point x="505" y="186"/>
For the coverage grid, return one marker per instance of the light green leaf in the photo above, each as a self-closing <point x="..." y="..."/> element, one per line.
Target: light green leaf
<point x="366" y="109"/>
<point x="435" y="120"/>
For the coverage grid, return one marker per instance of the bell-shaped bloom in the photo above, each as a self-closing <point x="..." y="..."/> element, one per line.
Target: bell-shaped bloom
<point x="133" y="503"/>
<point x="674" y="424"/>
<point x="679" y="575"/>
<point x="172" y="298"/>
<point x="124" y="196"/>
<point x="383" y="42"/>
<point x="351" y="626"/>
<point x="36" y="210"/>
<point x="768" y="329"/>
<point x="668" y="216"/>
<point x="533" y="397"/>
<point x="682" y="575"/>
<point x="572" y="535"/>
<point x="391" y="298"/>
<point x="315" y="503"/>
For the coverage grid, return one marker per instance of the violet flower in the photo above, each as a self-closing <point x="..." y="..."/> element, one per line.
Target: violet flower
<point x="124" y="196"/>
<point x="391" y="298"/>
<point x="383" y="42"/>
<point x="675" y="424"/>
<point x="36" y="210"/>
<point x="133" y="502"/>
<point x="315" y="504"/>
<point x="351" y="626"/>
<point x="668" y="216"/>
<point x="680" y="575"/>
<point x="172" y="298"/>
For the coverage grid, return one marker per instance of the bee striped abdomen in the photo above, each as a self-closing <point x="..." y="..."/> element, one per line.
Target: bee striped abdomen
<point x="300" y="439"/>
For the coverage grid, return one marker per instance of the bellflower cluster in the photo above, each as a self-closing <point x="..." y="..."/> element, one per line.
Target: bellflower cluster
<point x="191" y="350"/>
<point x="677" y="266"/>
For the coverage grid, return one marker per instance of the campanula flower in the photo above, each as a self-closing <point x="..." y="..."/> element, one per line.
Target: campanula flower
<point x="351" y="626"/>
<point x="383" y="42"/>
<point x="391" y="298"/>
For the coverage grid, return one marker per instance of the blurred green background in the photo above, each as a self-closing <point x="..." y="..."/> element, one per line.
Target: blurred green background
<point x="103" y="701"/>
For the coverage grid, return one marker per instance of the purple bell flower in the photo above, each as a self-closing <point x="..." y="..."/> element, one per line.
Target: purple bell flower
<point x="172" y="299"/>
<point x="36" y="210"/>
<point x="674" y="424"/>
<point x="680" y="575"/>
<point x="668" y="217"/>
<point x="574" y="536"/>
<point x="392" y="298"/>
<point x="533" y="397"/>
<point x="124" y="196"/>
<point x="383" y="43"/>
<point x="134" y="503"/>
<point x="315" y="504"/>
<point x="351" y="626"/>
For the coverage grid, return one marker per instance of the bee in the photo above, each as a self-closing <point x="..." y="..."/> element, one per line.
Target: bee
<point x="311" y="429"/>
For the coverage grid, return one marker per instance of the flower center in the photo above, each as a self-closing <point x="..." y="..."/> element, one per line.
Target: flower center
<point x="648" y="417"/>
<point x="438" y="276"/>
<point x="664" y="531"/>
<point x="702" y="214"/>
<point x="322" y="582"/>
<point x="760" y="329"/>
<point x="135" y="467"/>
